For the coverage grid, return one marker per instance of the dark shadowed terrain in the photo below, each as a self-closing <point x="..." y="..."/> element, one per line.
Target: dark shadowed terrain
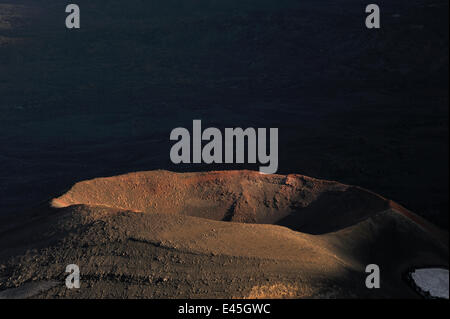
<point x="364" y="107"/>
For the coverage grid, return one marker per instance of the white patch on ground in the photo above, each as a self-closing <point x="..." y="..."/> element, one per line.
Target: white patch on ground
<point x="432" y="280"/>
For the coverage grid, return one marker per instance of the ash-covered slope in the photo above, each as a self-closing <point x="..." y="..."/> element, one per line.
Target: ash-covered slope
<point x="160" y="234"/>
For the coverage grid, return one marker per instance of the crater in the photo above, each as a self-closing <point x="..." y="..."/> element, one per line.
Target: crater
<point x="298" y="202"/>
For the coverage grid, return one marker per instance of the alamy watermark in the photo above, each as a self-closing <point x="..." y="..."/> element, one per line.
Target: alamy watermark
<point x="373" y="279"/>
<point x="229" y="149"/>
<point x="73" y="280"/>
<point x="73" y="19"/>
<point x="372" y="20"/>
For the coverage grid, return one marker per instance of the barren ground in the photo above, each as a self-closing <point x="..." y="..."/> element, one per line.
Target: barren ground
<point x="164" y="235"/>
